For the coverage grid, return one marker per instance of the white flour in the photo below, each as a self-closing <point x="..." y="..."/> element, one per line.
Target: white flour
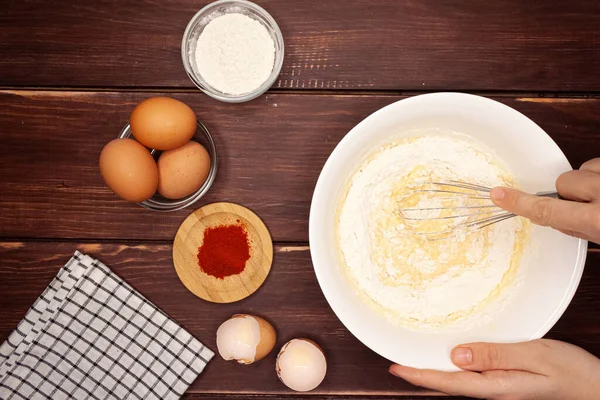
<point x="235" y="54"/>
<point x="413" y="281"/>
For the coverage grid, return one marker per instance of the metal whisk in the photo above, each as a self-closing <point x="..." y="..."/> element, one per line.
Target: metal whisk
<point x="479" y="213"/>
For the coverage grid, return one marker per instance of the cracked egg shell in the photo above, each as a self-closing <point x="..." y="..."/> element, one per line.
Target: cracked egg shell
<point x="245" y="338"/>
<point x="301" y="365"/>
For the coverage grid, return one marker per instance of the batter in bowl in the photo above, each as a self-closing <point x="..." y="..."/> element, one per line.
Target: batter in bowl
<point x="415" y="281"/>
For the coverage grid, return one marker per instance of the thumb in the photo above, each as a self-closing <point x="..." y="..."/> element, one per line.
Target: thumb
<point x="498" y="356"/>
<point x="545" y="211"/>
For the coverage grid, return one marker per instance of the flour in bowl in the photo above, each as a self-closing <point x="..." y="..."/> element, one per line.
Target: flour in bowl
<point x="414" y="281"/>
<point x="235" y="54"/>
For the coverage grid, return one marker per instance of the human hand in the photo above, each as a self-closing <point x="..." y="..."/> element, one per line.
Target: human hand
<point x="577" y="215"/>
<point x="540" y="369"/>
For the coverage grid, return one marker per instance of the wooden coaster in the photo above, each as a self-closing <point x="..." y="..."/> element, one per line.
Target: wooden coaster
<point x="189" y="238"/>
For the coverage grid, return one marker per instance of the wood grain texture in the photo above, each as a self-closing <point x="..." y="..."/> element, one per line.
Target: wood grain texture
<point x="290" y="299"/>
<point x="271" y="152"/>
<point x="359" y="44"/>
<point x="190" y="237"/>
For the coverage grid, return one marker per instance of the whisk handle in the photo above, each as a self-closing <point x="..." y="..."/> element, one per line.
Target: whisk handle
<point x="553" y="195"/>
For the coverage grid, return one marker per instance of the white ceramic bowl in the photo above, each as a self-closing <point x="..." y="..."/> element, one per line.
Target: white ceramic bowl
<point x="549" y="277"/>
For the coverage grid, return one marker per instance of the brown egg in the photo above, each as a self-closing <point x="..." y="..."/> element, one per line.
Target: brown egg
<point x="163" y="123"/>
<point x="129" y="170"/>
<point x="183" y="170"/>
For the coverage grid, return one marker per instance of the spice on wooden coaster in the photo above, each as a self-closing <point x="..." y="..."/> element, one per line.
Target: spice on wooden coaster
<point x="224" y="250"/>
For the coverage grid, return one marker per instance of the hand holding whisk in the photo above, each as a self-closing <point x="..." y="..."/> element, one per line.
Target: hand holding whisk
<point x="460" y="207"/>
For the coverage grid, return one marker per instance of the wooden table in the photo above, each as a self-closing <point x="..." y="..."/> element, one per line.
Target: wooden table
<point x="71" y="72"/>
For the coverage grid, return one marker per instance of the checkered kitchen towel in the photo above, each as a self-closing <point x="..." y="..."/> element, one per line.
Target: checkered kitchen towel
<point x="91" y="336"/>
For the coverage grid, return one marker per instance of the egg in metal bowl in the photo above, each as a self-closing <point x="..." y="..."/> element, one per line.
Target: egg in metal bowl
<point x="548" y="273"/>
<point x="160" y="203"/>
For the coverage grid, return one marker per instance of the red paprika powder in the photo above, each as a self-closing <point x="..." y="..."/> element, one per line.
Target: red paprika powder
<point x="224" y="251"/>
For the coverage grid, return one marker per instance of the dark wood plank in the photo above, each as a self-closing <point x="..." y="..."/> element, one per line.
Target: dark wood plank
<point x="359" y="44"/>
<point x="290" y="298"/>
<point x="271" y="153"/>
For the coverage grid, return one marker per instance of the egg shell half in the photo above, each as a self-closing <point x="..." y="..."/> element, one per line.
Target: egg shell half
<point x="245" y="338"/>
<point x="301" y="365"/>
<point x="163" y="123"/>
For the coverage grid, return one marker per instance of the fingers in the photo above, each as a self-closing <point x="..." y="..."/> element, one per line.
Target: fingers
<point x="591" y="165"/>
<point x="578" y="235"/>
<point x="487" y="385"/>
<point x="583" y="185"/>
<point x="464" y="383"/>
<point x="491" y="356"/>
<point x="545" y="211"/>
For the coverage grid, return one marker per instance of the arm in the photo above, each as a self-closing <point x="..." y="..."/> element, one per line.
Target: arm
<point x="537" y="370"/>
<point x="540" y="369"/>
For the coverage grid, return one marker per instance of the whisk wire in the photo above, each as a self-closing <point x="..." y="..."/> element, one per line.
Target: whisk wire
<point x="462" y="185"/>
<point x="452" y="216"/>
<point x="465" y="228"/>
<point x="452" y="192"/>
<point x="483" y="215"/>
